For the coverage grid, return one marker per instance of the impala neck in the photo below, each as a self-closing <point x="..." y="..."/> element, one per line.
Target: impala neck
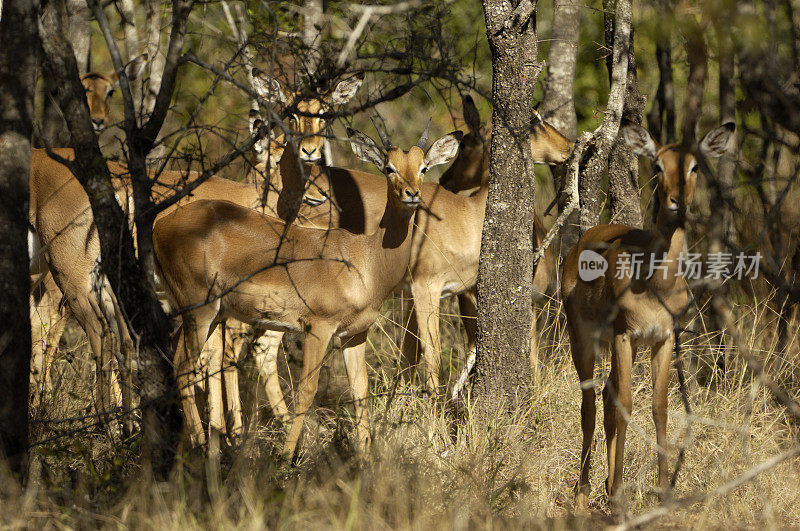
<point x="669" y="244"/>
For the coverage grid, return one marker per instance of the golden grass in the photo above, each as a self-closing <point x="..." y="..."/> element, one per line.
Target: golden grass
<point x="426" y="469"/>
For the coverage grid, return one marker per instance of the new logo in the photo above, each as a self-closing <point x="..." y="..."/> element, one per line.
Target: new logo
<point x="591" y="265"/>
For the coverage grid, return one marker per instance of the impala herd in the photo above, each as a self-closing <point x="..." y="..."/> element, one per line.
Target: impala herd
<point x="307" y="248"/>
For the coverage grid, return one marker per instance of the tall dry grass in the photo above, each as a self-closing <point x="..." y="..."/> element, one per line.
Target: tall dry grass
<point x="428" y="468"/>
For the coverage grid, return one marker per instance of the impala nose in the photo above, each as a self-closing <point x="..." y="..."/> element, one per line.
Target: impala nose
<point x="98" y="124"/>
<point x="674" y="204"/>
<point x="308" y="153"/>
<point x="411" y="197"/>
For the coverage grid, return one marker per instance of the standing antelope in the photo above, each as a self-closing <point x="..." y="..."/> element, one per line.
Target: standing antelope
<point x="630" y="307"/>
<point x="61" y="215"/>
<point x="235" y="262"/>
<point x="445" y="247"/>
<point x="450" y="234"/>
<point x="47" y="321"/>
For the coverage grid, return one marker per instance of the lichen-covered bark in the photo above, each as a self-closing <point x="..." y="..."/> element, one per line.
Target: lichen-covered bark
<point x="506" y="266"/>
<point x="18" y="36"/>
<point x="589" y="182"/>
<point x="623" y="165"/>
<point x="558" y="105"/>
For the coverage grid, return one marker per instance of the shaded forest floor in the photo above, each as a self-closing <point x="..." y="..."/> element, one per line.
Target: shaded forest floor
<point x="425" y="467"/>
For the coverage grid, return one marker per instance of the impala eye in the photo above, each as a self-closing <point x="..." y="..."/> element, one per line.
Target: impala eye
<point x="423" y="170"/>
<point x="693" y="167"/>
<point x="390" y="169"/>
<point x="110" y="93"/>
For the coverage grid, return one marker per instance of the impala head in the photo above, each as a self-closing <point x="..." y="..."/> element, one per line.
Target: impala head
<point x="308" y="119"/>
<point x="471" y="167"/>
<point x="675" y="165"/>
<point x="268" y="150"/>
<point x="404" y="168"/>
<point x="99" y="89"/>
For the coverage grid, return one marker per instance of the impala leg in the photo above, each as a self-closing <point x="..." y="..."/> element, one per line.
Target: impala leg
<point x="356" y="365"/>
<point x="662" y="355"/>
<point x="426" y="306"/>
<point x="230" y="376"/>
<point x="317" y="340"/>
<point x="535" y="366"/>
<point x="411" y="342"/>
<point x="468" y="307"/>
<point x="583" y="356"/>
<point x="617" y="409"/>
<point x="195" y="330"/>
<point x="265" y="351"/>
<point x="216" y="411"/>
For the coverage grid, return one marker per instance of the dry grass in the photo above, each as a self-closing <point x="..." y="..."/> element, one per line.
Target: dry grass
<point x="427" y="469"/>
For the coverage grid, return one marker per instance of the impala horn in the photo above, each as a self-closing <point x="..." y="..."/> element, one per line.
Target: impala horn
<point x="423" y="140"/>
<point x="387" y="144"/>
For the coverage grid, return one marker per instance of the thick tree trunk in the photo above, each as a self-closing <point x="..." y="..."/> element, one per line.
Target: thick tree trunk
<point x="559" y="102"/>
<point x="18" y="37"/>
<point x="504" y="276"/>
<point x="80" y="33"/>
<point x="623" y="165"/>
<point x="161" y="416"/>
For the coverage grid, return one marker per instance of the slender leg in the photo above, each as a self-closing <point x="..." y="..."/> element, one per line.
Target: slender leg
<point x="411" y="343"/>
<point x="583" y="356"/>
<point x="617" y="409"/>
<point x="265" y="351"/>
<point x="426" y="306"/>
<point x="468" y="308"/>
<point x="662" y="356"/>
<point x="535" y="366"/>
<point x="195" y="330"/>
<point x="216" y="412"/>
<point x="230" y="375"/>
<point x="355" y="363"/>
<point x="317" y="339"/>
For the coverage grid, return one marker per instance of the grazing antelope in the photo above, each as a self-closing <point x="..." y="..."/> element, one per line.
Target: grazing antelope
<point x="235" y="262"/>
<point x="630" y="307"/>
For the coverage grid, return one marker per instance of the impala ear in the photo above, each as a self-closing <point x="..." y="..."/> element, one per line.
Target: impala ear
<point x="268" y="87"/>
<point x="365" y="148"/>
<point x="471" y="115"/>
<point x="639" y="140"/>
<point x="717" y="142"/>
<point x="133" y="70"/>
<point x="443" y="150"/>
<point x="346" y="89"/>
<point x="255" y="120"/>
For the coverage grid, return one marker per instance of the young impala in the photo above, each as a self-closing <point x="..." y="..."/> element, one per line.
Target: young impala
<point x="631" y="307"/>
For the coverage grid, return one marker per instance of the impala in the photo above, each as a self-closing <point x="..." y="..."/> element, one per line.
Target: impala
<point x="47" y="321"/>
<point x="231" y="261"/>
<point x="630" y="310"/>
<point x="61" y="216"/>
<point x="445" y="247"/>
<point x="445" y="269"/>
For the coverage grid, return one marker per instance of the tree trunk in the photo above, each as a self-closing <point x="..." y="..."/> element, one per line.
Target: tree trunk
<point x="80" y="33"/>
<point x="623" y="165"/>
<point x="161" y="416"/>
<point x="559" y="101"/>
<point x="502" y="367"/>
<point x="592" y="172"/>
<point x="697" y="56"/>
<point x="661" y="118"/>
<point x="18" y="37"/>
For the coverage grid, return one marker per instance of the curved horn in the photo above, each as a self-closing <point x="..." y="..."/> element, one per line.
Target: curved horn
<point x="423" y="140"/>
<point x="387" y="144"/>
